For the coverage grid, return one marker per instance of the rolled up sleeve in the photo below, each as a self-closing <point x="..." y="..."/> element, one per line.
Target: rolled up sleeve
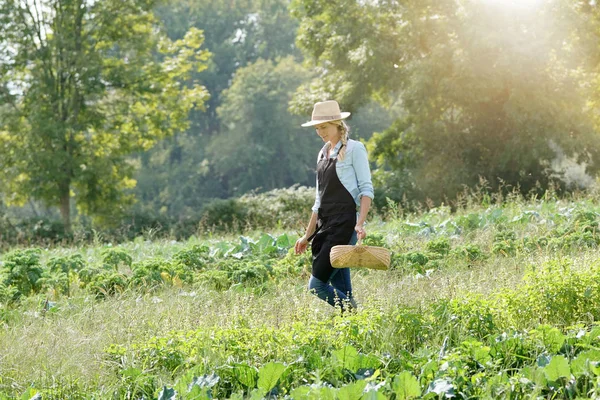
<point x="315" y="207"/>
<point x="363" y="171"/>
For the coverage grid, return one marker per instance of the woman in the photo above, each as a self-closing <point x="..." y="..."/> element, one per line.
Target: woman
<point x="343" y="183"/>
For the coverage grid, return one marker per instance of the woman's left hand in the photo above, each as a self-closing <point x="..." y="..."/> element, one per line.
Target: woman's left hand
<point x="360" y="232"/>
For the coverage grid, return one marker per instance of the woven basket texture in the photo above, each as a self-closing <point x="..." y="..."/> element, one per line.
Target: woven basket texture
<point x="359" y="256"/>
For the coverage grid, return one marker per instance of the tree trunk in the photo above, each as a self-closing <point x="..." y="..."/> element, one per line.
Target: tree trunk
<point x="65" y="206"/>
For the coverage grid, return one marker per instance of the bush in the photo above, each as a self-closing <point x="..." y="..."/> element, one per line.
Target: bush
<point x="223" y="214"/>
<point x="215" y="279"/>
<point x="470" y="252"/>
<point x="280" y="207"/>
<point x="158" y="271"/>
<point x="195" y="258"/>
<point x="115" y="258"/>
<point x="439" y="246"/>
<point x="556" y="293"/>
<point x="66" y="264"/>
<point x="374" y="239"/>
<point x="108" y="284"/>
<point x="22" y="271"/>
<point x="33" y="230"/>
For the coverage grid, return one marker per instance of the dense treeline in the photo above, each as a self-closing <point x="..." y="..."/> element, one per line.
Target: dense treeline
<point x="154" y="126"/>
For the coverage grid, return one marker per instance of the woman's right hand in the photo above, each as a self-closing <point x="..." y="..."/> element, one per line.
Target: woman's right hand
<point x="301" y="245"/>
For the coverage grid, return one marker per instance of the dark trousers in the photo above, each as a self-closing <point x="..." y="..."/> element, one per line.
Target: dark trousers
<point x="337" y="290"/>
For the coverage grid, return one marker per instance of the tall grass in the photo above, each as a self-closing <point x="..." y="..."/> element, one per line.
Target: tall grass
<point x="65" y="344"/>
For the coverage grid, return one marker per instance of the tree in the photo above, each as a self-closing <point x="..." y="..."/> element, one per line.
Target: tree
<point x="261" y="144"/>
<point x="83" y="85"/>
<point x="238" y="32"/>
<point x="489" y="89"/>
<point x="177" y="176"/>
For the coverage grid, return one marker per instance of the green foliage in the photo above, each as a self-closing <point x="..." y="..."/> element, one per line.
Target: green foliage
<point x="57" y="281"/>
<point x="439" y="246"/>
<point x="505" y="243"/>
<point x="555" y="291"/>
<point x="278" y="207"/>
<point x="89" y="94"/>
<point x="60" y="271"/>
<point x="223" y="214"/>
<point x="470" y="252"/>
<point x="470" y="315"/>
<point x="67" y="264"/>
<point x="265" y="128"/>
<point x="116" y="258"/>
<point x="21" y="269"/>
<point x="292" y="265"/>
<point x="413" y="260"/>
<point x="215" y="279"/>
<point x="374" y="239"/>
<point x="194" y="258"/>
<point x="507" y="116"/>
<point x="479" y="336"/>
<point x="248" y="273"/>
<point x="108" y="283"/>
<point x="149" y="273"/>
<point x="181" y="174"/>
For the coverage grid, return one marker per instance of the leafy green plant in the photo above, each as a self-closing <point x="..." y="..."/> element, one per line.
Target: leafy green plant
<point x="116" y="258"/>
<point x="68" y="264"/>
<point x="108" y="284"/>
<point x="21" y="269"/>
<point x="439" y="246"/>
<point x="196" y="258"/>
<point x="292" y="265"/>
<point x="374" y="239"/>
<point x="215" y="279"/>
<point x="470" y="252"/>
<point x="149" y="273"/>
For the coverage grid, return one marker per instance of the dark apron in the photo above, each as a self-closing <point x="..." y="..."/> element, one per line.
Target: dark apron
<point x="337" y="218"/>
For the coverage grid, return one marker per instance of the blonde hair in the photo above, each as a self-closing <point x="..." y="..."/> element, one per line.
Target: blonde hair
<point x="344" y="131"/>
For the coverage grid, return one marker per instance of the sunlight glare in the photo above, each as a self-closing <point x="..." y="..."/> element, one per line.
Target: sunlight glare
<point x="515" y="4"/>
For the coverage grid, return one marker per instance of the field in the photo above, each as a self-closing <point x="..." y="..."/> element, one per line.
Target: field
<point x="490" y="301"/>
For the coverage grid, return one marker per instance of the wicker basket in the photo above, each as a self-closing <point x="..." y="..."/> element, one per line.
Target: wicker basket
<point x="360" y="256"/>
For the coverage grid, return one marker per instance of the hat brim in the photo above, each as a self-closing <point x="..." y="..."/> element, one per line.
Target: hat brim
<point x="344" y="115"/>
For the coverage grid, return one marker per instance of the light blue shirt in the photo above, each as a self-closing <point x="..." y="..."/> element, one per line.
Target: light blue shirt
<point x="353" y="171"/>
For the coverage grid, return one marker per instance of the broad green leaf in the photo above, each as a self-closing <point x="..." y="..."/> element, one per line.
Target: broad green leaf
<point x="237" y="396"/>
<point x="265" y="241"/>
<point x="405" y="385"/>
<point x="132" y="372"/>
<point x="347" y="358"/>
<point x="257" y="394"/>
<point x="373" y="395"/>
<point x="581" y="364"/>
<point x="558" y="368"/>
<point x="536" y="375"/>
<point x="245" y="374"/>
<point x="300" y="392"/>
<point x="269" y="374"/>
<point x="550" y="336"/>
<point x="353" y="391"/>
<point x="197" y="393"/>
<point x="323" y="393"/>
<point x="284" y="241"/>
<point x="31" y="394"/>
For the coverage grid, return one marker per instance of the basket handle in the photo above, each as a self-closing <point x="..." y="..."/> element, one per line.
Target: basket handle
<point x="359" y="243"/>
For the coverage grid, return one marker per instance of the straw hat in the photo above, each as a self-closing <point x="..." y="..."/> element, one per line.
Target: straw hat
<point x="326" y="111"/>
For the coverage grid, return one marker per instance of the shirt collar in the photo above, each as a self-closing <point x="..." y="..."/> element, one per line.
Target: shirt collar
<point x="334" y="152"/>
<point x="338" y="146"/>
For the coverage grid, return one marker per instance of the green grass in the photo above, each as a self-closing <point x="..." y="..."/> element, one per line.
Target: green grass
<point x="89" y="347"/>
